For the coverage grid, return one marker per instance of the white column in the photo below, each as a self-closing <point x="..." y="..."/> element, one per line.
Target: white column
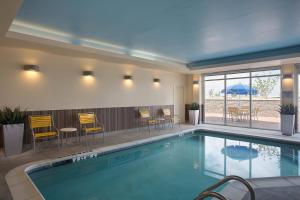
<point x="288" y="82"/>
<point x="288" y="85"/>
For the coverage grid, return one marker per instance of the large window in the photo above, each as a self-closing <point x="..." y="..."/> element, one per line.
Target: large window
<point x="248" y="99"/>
<point x="214" y="100"/>
<point x="298" y="114"/>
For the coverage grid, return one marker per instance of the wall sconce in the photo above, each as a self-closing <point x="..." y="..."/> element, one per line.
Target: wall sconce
<point x="88" y="73"/>
<point x="127" y="77"/>
<point x="195" y="82"/>
<point x="128" y="81"/>
<point x="287" y="76"/>
<point x="156" y="80"/>
<point x="34" y="68"/>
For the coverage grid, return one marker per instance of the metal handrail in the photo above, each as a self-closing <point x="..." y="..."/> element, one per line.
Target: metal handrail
<point x="205" y="194"/>
<point x="208" y="191"/>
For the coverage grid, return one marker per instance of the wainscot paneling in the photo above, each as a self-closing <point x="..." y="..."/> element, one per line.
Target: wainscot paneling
<point x="113" y="119"/>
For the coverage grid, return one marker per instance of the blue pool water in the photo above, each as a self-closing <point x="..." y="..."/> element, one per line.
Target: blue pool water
<point x="174" y="168"/>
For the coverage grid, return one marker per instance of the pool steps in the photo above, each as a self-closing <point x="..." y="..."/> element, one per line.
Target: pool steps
<point x="209" y="192"/>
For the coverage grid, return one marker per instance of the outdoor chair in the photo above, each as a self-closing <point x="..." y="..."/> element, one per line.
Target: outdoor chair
<point x="90" y="125"/>
<point x="255" y="113"/>
<point x="145" y="117"/>
<point x="233" y="113"/>
<point x="244" y="112"/>
<point x="42" y="128"/>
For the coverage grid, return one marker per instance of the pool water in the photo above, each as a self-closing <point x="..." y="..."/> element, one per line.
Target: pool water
<point x="173" y="168"/>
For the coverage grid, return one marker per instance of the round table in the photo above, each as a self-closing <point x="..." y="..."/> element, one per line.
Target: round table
<point x="161" y="122"/>
<point x="67" y="132"/>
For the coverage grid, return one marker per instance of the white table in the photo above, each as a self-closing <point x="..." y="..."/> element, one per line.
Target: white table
<point x="161" y="122"/>
<point x="67" y="132"/>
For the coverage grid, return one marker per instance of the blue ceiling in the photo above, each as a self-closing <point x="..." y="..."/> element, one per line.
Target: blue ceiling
<point x="187" y="30"/>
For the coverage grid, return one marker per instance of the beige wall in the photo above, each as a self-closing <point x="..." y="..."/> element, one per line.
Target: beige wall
<point x="193" y="90"/>
<point x="60" y="85"/>
<point x="289" y="93"/>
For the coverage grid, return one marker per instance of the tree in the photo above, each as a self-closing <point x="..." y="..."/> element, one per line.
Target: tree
<point x="265" y="85"/>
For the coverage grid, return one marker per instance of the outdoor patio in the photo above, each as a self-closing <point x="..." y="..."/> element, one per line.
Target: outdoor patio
<point x="265" y="113"/>
<point x="263" y="122"/>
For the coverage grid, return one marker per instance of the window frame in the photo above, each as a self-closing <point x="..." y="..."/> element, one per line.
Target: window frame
<point x="250" y="71"/>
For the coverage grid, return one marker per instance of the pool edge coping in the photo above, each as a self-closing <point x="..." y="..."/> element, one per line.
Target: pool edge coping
<point x="278" y="137"/>
<point x="20" y="184"/>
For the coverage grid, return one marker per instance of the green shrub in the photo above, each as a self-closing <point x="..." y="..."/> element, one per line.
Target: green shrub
<point x="10" y="116"/>
<point x="194" y="106"/>
<point x="287" y="109"/>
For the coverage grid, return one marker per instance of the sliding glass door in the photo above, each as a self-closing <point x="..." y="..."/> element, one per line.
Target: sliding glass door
<point x="214" y="100"/>
<point x="238" y="99"/>
<point x="266" y="103"/>
<point x="247" y="99"/>
<point x="298" y="107"/>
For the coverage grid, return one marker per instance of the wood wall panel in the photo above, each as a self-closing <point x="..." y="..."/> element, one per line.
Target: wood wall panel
<point x="1" y="137"/>
<point x="113" y="119"/>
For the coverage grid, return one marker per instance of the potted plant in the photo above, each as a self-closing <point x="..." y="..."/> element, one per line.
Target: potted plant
<point x="194" y="113"/>
<point x="287" y="112"/>
<point x="12" y="122"/>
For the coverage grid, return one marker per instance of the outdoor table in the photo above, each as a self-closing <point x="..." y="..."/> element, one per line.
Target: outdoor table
<point x="243" y="112"/>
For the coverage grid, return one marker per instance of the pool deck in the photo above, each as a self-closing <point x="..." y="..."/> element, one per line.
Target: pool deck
<point x="275" y="188"/>
<point x="14" y="180"/>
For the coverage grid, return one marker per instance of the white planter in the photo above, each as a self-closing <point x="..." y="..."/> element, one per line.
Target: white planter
<point x="287" y="124"/>
<point x="194" y="117"/>
<point x="13" y="138"/>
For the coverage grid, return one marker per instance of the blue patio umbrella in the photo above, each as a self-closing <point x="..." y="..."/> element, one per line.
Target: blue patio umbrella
<point x="240" y="89"/>
<point x="238" y="152"/>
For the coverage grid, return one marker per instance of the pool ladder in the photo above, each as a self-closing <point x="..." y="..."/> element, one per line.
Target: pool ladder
<point x="210" y="193"/>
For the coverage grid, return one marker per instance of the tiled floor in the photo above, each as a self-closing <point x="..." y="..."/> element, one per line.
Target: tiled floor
<point x="265" y="123"/>
<point x="50" y="151"/>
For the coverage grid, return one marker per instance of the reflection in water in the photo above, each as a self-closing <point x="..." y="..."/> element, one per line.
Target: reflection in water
<point x="268" y="152"/>
<point x="248" y="158"/>
<point x="238" y="152"/>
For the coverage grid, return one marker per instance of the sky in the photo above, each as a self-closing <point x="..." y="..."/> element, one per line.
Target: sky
<point x="218" y="85"/>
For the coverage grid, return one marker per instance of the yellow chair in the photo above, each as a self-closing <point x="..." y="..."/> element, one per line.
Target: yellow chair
<point x="89" y="124"/>
<point x="167" y="114"/>
<point x="42" y="127"/>
<point x="146" y="118"/>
